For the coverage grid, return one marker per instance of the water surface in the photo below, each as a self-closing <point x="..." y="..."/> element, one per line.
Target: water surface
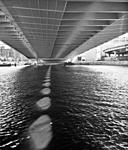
<point x="88" y="110"/>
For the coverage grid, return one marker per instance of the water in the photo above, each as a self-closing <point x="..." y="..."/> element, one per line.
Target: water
<point x="88" y="110"/>
<point x="19" y="89"/>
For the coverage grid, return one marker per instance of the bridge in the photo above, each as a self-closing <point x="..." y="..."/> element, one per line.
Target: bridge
<point x="118" y="49"/>
<point x="60" y="29"/>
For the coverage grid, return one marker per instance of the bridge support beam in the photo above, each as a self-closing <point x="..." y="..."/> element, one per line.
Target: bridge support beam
<point x="112" y="31"/>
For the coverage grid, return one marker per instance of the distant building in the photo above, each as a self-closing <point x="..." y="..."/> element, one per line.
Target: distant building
<point x="79" y="58"/>
<point x="116" y="47"/>
<point x="9" y="54"/>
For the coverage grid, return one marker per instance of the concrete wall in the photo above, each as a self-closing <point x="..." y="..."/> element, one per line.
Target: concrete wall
<point x="115" y="63"/>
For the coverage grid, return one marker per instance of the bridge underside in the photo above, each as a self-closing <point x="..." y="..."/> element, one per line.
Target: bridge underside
<point x="60" y="29"/>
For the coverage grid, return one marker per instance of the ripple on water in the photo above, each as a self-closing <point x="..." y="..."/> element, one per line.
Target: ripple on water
<point x="11" y="144"/>
<point x="41" y="132"/>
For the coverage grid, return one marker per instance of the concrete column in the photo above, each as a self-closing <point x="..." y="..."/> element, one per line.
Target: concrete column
<point x="114" y="53"/>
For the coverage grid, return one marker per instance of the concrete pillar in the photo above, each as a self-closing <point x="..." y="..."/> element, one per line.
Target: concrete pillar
<point x="114" y="53"/>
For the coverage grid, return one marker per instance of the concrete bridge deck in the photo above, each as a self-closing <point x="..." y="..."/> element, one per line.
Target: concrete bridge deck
<point x="53" y="29"/>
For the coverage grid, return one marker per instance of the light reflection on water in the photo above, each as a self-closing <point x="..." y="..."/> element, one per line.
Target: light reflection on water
<point x="9" y="111"/>
<point x="41" y="132"/>
<point x="6" y="84"/>
<point x="94" y="98"/>
<point x="19" y="91"/>
<point x="118" y="75"/>
<point x="4" y="70"/>
<point x="89" y="107"/>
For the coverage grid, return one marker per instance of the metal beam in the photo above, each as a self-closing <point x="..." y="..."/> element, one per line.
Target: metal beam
<point x="100" y="37"/>
<point x="14" y="24"/>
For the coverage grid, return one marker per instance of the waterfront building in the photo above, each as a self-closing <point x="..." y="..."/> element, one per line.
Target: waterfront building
<point x="8" y="54"/>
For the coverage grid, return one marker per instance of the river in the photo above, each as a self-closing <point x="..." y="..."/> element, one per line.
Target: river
<point x="87" y="108"/>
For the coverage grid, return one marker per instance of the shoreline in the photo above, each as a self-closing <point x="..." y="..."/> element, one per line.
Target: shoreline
<point x="109" y="63"/>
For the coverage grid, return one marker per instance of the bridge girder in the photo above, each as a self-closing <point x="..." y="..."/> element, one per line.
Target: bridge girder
<point x="55" y="29"/>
